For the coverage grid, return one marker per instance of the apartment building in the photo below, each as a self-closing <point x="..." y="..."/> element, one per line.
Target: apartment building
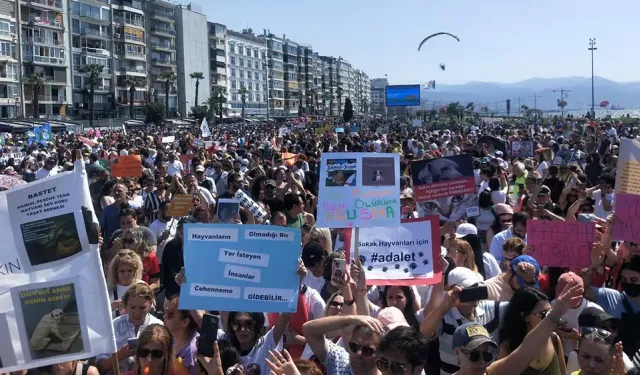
<point x="44" y="36"/>
<point x="275" y="71"/>
<point x="291" y="87"/>
<point x="91" y="43"/>
<point x="9" y="83"/>
<point x="247" y="72"/>
<point x="362" y="101"/>
<point x="316" y="65"/>
<point x="305" y="79"/>
<point x="193" y="56"/>
<point x="329" y="85"/>
<point x="161" y="27"/>
<point x="378" y="99"/>
<point x="218" y="78"/>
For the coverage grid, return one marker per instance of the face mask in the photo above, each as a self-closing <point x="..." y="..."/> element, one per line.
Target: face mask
<point x="632" y="290"/>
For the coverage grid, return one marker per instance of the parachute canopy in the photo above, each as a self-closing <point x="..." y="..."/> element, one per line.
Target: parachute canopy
<point x="436" y="34"/>
<point x="443" y="67"/>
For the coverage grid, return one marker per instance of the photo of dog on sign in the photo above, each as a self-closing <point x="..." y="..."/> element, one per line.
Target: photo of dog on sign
<point x="51" y="321"/>
<point x="378" y="171"/>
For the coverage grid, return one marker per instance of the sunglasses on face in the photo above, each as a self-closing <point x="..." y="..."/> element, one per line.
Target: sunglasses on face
<point x="474" y="355"/>
<point x="542" y="314"/>
<point x="356" y="348"/>
<point x="240" y="324"/>
<point x="336" y="304"/>
<point x="505" y="221"/>
<point x="632" y="244"/>
<point x="155" y="353"/>
<point x="385" y="365"/>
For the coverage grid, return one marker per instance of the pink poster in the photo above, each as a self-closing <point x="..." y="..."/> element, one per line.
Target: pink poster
<point x="561" y="244"/>
<point x="627" y="224"/>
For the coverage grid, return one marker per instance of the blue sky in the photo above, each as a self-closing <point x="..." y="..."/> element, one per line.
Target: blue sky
<point x="501" y="41"/>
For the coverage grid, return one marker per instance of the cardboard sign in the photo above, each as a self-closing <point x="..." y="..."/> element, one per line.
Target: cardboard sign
<point x="564" y="157"/>
<point x="359" y="190"/>
<point x="186" y="162"/>
<point x="289" y="159"/>
<point x="126" y="166"/>
<point x="169" y="139"/>
<point x="445" y="187"/>
<point x="627" y="199"/>
<point x="523" y="149"/>
<point x="198" y="143"/>
<point x="180" y="205"/>
<point x="240" y="268"/>
<point x="560" y="243"/>
<point x="404" y="255"/>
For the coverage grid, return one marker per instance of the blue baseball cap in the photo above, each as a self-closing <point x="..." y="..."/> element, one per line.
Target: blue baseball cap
<point x="525" y="259"/>
<point x="470" y="336"/>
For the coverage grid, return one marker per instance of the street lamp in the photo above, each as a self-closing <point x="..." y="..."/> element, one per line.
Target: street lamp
<point x="592" y="47"/>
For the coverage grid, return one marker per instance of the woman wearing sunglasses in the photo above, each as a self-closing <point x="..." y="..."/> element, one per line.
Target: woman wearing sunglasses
<point x="154" y="353"/>
<point x="527" y="308"/>
<point x="125" y="269"/>
<point x="598" y="354"/>
<point x="136" y="240"/>
<point x="402" y="351"/>
<point x="476" y="351"/>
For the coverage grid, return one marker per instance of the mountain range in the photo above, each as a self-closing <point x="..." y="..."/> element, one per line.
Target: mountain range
<point x="621" y="94"/>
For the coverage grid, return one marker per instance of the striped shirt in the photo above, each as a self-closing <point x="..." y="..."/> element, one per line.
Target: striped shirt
<point x="485" y="315"/>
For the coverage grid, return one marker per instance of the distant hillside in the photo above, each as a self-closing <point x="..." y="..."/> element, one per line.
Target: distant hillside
<point x="625" y="94"/>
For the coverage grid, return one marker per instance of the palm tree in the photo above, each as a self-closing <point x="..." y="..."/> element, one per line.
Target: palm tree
<point x="168" y="76"/>
<point x="197" y="76"/>
<point x="131" y="83"/>
<point x="216" y="101"/>
<point x="93" y="71"/>
<point x="36" y="80"/>
<point x="325" y="97"/>
<point x="243" y="96"/>
<point x="339" y="92"/>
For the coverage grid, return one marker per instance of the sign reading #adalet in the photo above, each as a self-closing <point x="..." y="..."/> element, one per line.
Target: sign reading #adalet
<point x="53" y="296"/>
<point x="233" y="267"/>
<point x="359" y="190"/>
<point x="405" y="255"/>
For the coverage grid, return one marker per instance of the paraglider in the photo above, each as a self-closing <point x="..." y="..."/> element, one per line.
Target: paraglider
<point x="436" y="34"/>
<point x="442" y="67"/>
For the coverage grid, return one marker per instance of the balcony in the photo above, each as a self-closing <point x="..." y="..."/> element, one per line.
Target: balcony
<point x="163" y="46"/>
<point x="164" y="62"/>
<point x="7" y="35"/>
<point x="46" y="60"/>
<point x="133" y="55"/>
<point x="44" y="41"/>
<point x="128" y="21"/>
<point x="131" y="38"/>
<point x="94" y="33"/>
<point x="95" y="51"/>
<point x="137" y="70"/>
<point x="40" y="21"/>
<point x="163" y="31"/>
<point x="136" y="4"/>
<point x="45" y="4"/>
<point x="9" y="54"/>
<point x="165" y="16"/>
<point x="47" y="99"/>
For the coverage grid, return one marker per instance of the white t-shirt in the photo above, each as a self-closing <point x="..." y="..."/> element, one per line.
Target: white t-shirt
<point x="571" y="317"/>
<point x="44" y="172"/>
<point x="174" y="168"/>
<point x="315" y="303"/>
<point x="157" y="227"/>
<point x="314" y="282"/>
<point x="542" y="167"/>
<point x="307" y="353"/>
<point x="599" y="210"/>
<point x="260" y="351"/>
<point x="499" y="196"/>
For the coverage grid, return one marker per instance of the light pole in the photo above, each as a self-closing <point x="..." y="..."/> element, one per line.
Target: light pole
<point x="592" y="47"/>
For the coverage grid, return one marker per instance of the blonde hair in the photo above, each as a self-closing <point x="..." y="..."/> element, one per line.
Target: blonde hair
<point x="158" y="334"/>
<point x="124" y="258"/>
<point x="323" y="237"/>
<point x="514" y="244"/>
<point x="463" y="247"/>
<point x="138" y="290"/>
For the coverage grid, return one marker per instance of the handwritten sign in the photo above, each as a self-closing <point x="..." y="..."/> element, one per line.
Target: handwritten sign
<point x="445" y="187"/>
<point x="168" y="139"/>
<point x="180" y="205"/>
<point x="523" y="149"/>
<point x="560" y="243"/>
<point x="627" y="205"/>
<point x="359" y="190"/>
<point x="404" y="255"/>
<point x="126" y="166"/>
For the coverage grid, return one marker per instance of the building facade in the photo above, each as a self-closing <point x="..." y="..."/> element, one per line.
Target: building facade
<point x="362" y="101"/>
<point x="218" y="59"/>
<point x="161" y="29"/>
<point x="192" y="35"/>
<point x="275" y="72"/>
<point x="10" y="100"/>
<point x="329" y="85"/>
<point x="247" y="73"/>
<point x="378" y="98"/>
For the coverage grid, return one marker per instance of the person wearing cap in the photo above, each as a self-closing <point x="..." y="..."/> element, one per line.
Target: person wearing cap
<point x="49" y="169"/>
<point x="205" y="181"/>
<point x="402" y="350"/>
<point x="523" y="271"/>
<point x="474" y="347"/>
<point x="313" y="257"/>
<point x="358" y="358"/>
<point x="518" y="228"/>
<point x="546" y="209"/>
<point x="218" y="175"/>
<point x="174" y="166"/>
<point x="484" y="261"/>
<point x="442" y="320"/>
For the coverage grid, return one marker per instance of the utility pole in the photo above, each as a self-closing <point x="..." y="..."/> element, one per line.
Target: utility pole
<point x="496" y="103"/>
<point x="592" y="47"/>
<point x="562" y="91"/>
<point x="519" y="105"/>
<point x="535" y="100"/>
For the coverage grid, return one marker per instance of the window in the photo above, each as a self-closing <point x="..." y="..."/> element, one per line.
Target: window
<point x="240" y="50"/>
<point x="249" y="65"/>
<point x="257" y="66"/>
<point x="233" y="72"/>
<point x="264" y="56"/>
<point x="77" y="82"/>
<point x="256" y="75"/>
<point x="242" y="74"/>
<point x="241" y="61"/>
<point x="258" y="97"/>
<point x="234" y="84"/>
<point x="249" y="52"/>
<point x="232" y="48"/>
<point x="255" y="53"/>
<point x="233" y="60"/>
<point x="250" y="95"/>
<point x="250" y="86"/>
<point x="234" y="96"/>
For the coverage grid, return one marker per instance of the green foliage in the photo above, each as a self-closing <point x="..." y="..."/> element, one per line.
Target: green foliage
<point x="154" y="113"/>
<point x="347" y="115"/>
<point x="201" y="112"/>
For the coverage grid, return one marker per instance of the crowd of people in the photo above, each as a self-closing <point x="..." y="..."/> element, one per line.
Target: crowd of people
<point x="536" y="320"/>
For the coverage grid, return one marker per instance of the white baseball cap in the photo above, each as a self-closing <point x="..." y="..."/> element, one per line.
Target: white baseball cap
<point x="463" y="276"/>
<point x="464" y="229"/>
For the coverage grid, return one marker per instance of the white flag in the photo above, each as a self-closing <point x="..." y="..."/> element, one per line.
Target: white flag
<point x="124" y="129"/>
<point x="204" y="127"/>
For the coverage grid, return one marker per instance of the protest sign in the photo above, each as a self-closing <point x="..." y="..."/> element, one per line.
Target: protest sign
<point x="198" y="143"/>
<point x="523" y="149"/>
<point x="564" y="244"/>
<point x="180" y="205"/>
<point x="289" y="159"/>
<point x="169" y="139"/>
<point x="283" y="131"/>
<point x="627" y="205"/>
<point x="339" y="130"/>
<point x="240" y="268"/>
<point x="359" y="190"/>
<point x="564" y="157"/>
<point x="416" y="123"/>
<point x="53" y="296"/>
<point x="319" y="130"/>
<point x="126" y="166"/>
<point x="88" y="142"/>
<point x="404" y="255"/>
<point x="445" y="187"/>
<point x="228" y="210"/>
<point x="186" y="161"/>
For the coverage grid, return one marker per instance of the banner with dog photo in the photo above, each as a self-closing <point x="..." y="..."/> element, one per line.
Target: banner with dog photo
<point x="51" y="275"/>
<point x="445" y="187"/>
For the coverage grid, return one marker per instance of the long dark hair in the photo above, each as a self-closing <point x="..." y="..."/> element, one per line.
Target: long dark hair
<point x="476" y="245"/>
<point x="408" y="312"/>
<point x="258" y="319"/>
<point x="496" y="226"/>
<point x="514" y="326"/>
